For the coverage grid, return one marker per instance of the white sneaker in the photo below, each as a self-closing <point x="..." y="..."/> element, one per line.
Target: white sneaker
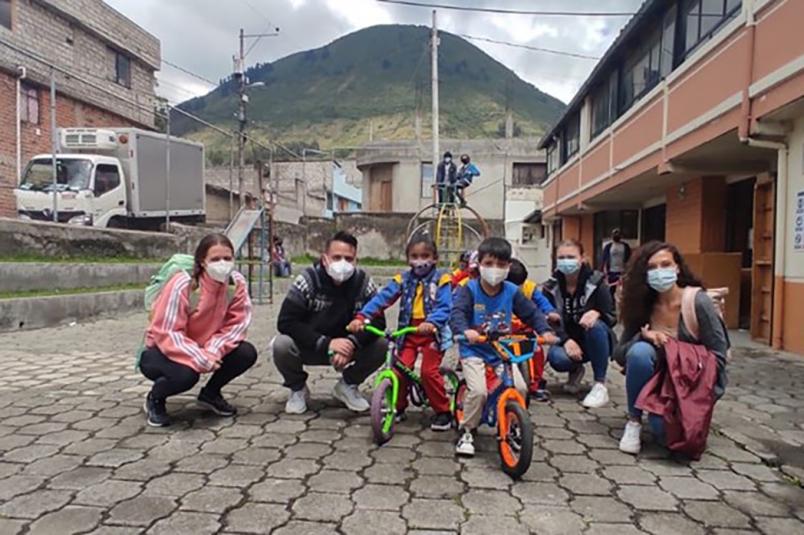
<point x="630" y="442"/>
<point x="297" y="401"/>
<point x="466" y="445"/>
<point x="597" y="397"/>
<point x="573" y="384"/>
<point x="350" y="396"/>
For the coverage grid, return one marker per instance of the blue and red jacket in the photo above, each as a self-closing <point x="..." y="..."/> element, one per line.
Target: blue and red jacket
<point x="427" y="299"/>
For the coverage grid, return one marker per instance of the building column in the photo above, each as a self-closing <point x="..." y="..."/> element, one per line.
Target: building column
<point x="696" y="215"/>
<point x="580" y="228"/>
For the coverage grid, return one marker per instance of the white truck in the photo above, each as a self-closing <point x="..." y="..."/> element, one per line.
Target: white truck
<point x="115" y="177"/>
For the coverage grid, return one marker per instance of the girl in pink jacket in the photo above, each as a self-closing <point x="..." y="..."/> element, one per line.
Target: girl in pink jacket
<point x="199" y="326"/>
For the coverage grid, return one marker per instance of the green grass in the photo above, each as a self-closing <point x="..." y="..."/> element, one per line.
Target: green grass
<point x="71" y="291"/>
<point x="19" y="258"/>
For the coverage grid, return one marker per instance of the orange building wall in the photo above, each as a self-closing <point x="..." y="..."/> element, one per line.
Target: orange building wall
<point x="581" y="228"/>
<point x="793" y="311"/>
<point x="696" y="220"/>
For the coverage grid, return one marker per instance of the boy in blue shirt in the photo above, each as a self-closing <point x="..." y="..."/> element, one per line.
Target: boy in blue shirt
<point x="488" y="302"/>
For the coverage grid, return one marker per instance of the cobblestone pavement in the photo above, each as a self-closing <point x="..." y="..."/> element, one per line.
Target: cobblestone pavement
<point x="75" y="457"/>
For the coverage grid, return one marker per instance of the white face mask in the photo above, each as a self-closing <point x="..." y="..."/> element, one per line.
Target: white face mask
<point x="220" y="270"/>
<point x="340" y="270"/>
<point x="493" y="275"/>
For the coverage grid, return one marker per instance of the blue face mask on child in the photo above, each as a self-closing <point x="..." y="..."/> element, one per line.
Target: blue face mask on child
<point x="568" y="266"/>
<point x="421" y="268"/>
<point x="662" y="279"/>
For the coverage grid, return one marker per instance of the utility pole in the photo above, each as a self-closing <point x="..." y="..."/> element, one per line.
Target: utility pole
<point x="240" y="71"/>
<point x="240" y="76"/>
<point x="54" y="141"/>
<point x="434" y="73"/>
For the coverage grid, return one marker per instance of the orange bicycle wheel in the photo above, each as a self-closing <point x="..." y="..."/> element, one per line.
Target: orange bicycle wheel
<point x="515" y="439"/>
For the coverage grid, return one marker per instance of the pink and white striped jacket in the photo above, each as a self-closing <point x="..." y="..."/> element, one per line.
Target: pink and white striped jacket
<point x="203" y="336"/>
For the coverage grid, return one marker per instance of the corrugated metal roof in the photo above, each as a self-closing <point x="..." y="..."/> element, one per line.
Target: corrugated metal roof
<point x="633" y="26"/>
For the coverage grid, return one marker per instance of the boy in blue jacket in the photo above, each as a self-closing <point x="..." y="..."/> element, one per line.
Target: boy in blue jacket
<point x="426" y="295"/>
<point x="488" y="303"/>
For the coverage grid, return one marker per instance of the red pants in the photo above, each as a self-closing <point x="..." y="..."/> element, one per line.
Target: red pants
<point x="431" y="378"/>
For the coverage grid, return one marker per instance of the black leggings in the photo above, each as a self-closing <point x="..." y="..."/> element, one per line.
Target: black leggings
<point x="171" y="378"/>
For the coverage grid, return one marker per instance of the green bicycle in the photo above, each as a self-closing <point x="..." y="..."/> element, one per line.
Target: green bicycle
<point x="386" y="386"/>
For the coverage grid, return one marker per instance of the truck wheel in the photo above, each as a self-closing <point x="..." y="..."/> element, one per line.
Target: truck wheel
<point x="117" y="222"/>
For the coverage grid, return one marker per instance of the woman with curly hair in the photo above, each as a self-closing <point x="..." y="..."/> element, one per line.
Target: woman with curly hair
<point x="651" y="315"/>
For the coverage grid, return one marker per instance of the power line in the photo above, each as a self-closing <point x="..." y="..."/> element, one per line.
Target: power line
<point x="513" y="11"/>
<point x="528" y="47"/>
<point x="189" y="72"/>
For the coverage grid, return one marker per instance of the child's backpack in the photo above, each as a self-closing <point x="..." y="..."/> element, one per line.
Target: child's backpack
<point x="176" y="263"/>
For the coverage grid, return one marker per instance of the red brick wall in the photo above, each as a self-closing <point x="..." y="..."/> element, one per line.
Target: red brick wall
<point x="36" y="139"/>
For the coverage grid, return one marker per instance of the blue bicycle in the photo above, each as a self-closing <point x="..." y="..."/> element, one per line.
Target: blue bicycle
<point x="505" y="407"/>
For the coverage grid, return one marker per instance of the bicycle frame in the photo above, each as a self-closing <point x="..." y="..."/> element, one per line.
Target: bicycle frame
<point x="391" y="361"/>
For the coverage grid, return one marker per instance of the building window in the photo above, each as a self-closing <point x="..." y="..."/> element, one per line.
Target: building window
<point x="427" y="180"/>
<point x="704" y="17"/>
<point x="573" y="135"/>
<point x="5" y="13"/>
<point x="528" y="174"/>
<point x="553" y="157"/>
<point x="641" y="71"/>
<point x="668" y="43"/>
<point x="122" y="69"/>
<point x="604" y="105"/>
<point x="29" y="104"/>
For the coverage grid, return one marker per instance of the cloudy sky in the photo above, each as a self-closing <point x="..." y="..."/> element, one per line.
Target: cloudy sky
<point x="201" y="35"/>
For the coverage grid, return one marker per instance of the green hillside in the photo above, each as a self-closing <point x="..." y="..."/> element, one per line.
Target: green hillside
<point x="373" y="78"/>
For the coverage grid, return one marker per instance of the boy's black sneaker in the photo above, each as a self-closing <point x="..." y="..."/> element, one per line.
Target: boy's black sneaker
<point x="216" y="403"/>
<point x="441" y="422"/>
<point x="156" y="412"/>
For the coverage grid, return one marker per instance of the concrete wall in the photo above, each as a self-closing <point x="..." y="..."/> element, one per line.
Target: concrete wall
<point x="50" y="239"/>
<point x="27" y="276"/>
<point x="790" y="276"/>
<point x="40" y="312"/>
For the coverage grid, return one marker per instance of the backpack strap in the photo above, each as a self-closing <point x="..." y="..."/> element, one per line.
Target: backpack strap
<point x="688" y="314"/>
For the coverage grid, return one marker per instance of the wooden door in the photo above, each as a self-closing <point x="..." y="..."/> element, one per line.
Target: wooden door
<point x="762" y="266"/>
<point x="381" y="192"/>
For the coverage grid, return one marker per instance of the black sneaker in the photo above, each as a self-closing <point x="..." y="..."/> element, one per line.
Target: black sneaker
<point x="216" y="403"/>
<point x="400" y="417"/>
<point x="156" y="412"/>
<point x="441" y="422"/>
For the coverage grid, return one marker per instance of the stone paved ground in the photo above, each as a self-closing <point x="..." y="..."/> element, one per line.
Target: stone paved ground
<point x="75" y="457"/>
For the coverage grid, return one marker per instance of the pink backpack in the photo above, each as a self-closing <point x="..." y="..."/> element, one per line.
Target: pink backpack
<point x="690" y="316"/>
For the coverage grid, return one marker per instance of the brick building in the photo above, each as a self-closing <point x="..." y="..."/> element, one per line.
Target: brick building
<point x="691" y="129"/>
<point x="103" y="65"/>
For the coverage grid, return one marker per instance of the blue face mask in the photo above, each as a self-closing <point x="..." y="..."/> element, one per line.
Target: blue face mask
<point x="422" y="268"/>
<point x="568" y="266"/>
<point x="662" y="279"/>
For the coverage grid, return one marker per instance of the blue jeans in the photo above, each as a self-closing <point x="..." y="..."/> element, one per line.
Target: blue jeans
<point x="595" y="346"/>
<point x="640" y="363"/>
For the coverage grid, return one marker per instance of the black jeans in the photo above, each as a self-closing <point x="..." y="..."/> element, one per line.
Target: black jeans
<point x="171" y="378"/>
<point x="290" y="362"/>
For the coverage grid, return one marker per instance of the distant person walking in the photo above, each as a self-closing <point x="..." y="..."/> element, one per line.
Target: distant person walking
<point x="466" y="174"/>
<point x="616" y="254"/>
<point x="445" y="179"/>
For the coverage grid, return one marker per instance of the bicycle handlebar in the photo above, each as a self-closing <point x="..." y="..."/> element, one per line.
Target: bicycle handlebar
<point x="392" y="334"/>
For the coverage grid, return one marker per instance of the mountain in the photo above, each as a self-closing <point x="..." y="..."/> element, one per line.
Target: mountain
<point x="372" y="79"/>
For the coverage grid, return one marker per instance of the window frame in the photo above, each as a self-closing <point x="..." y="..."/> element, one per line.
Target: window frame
<point x="426" y="187"/>
<point x="572" y="136"/>
<point x="533" y="178"/>
<point x="553" y="158"/>
<point x="28" y="94"/>
<point x="11" y="16"/>
<point x="686" y="7"/>
<point x="126" y="80"/>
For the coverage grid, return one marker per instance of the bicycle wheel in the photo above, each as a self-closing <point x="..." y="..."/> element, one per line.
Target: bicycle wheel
<point x="383" y="412"/>
<point x="516" y="444"/>
<point x="457" y="402"/>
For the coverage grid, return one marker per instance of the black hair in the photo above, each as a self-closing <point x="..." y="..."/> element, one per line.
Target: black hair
<point x="448" y="154"/>
<point x="208" y="242"/>
<point x="343" y="237"/>
<point x="499" y="248"/>
<point x="465" y="158"/>
<point x="422" y="238"/>
<point x="518" y="273"/>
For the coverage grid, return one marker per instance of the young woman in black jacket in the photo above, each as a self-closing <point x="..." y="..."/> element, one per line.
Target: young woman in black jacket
<point x="582" y="297"/>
